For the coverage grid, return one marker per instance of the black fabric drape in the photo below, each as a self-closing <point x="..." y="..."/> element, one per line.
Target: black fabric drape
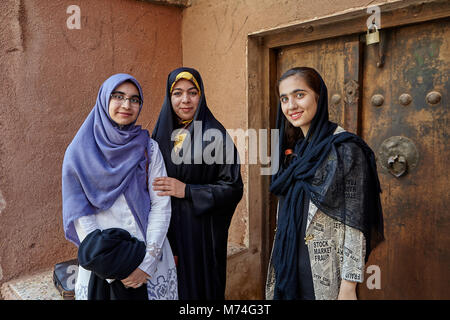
<point x="294" y="183"/>
<point x="112" y="254"/>
<point x="199" y="225"/>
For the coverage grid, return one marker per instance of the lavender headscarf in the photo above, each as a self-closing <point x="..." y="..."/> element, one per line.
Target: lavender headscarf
<point x="102" y="162"/>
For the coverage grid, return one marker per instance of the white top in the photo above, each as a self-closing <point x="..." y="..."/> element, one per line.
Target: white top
<point x="120" y="216"/>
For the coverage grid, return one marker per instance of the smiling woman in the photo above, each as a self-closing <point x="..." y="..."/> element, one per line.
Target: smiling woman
<point x="123" y="110"/>
<point x="298" y="102"/>
<point x="329" y="203"/>
<point x="204" y="195"/>
<point x="119" y="224"/>
<point x="185" y="98"/>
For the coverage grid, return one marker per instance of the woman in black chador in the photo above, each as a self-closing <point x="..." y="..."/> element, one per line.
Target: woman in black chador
<point x="204" y="181"/>
<point x="329" y="213"/>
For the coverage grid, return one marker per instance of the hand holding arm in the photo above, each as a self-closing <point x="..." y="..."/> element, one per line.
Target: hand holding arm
<point x="169" y="187"/>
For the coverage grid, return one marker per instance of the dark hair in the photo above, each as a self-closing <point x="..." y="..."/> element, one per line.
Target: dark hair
<point x="312" y="78"/>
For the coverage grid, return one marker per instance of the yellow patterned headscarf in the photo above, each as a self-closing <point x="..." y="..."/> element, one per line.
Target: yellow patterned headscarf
<point x="179" y="139"/>
<point x="188" y="76"/>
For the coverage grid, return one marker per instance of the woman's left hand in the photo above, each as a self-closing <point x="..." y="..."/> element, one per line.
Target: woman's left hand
<point x="347" y="290"/>
<point x="169" y="187"/>
<point x="136" y="279"/>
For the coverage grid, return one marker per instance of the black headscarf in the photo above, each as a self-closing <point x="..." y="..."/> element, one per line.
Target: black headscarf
<point x="298" y="183"/>
<point x="199" y="225"/>
<point x="168" y="122"/>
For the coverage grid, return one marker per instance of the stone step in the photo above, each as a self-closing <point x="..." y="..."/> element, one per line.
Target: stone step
<point x="38" y="286"/>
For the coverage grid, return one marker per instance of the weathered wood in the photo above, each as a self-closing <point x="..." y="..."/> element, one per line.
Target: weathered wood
<point x="392" y="14"/>
<point x="352" y="85"/>
<point x="413" y="259"/>
<point x="258" y="195"/>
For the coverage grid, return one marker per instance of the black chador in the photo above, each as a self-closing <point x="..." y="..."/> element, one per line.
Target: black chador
<point x="199" y="225"/>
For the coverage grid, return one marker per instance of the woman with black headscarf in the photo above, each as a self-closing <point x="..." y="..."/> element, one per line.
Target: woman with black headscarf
<point x="204" y="181"/>
<point x="329" y="211"/>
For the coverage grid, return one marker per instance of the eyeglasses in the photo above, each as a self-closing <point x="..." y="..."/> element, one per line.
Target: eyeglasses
<point x="120" y="98"/>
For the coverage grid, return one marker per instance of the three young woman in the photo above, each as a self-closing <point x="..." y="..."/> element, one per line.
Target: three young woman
<point x="118" y="198"/>
<point x="329" y="210"/>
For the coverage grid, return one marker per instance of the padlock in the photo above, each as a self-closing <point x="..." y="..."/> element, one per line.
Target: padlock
<point x="372" y="37"/>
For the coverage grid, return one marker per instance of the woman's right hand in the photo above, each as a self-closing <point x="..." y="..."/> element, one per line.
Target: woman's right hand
<point x="169" y="187"/>
<point x="136" y="279"/>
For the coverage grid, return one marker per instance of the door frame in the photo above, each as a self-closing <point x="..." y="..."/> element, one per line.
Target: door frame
<point x="262" y="49"/>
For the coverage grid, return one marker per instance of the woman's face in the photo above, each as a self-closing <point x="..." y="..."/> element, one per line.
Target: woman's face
<point x="298" y="102"/>
<point x="185" y="99"/>
<point x="124" y="104"/>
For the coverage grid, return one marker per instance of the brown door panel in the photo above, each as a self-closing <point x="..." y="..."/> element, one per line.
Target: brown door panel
<point x="414" y="259"/>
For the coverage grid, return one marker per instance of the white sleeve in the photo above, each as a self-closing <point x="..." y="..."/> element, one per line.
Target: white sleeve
<point x="160" y="213"/>
<point x="85" y="225"/>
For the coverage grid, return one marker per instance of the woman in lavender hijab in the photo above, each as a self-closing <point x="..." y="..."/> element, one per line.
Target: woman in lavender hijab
<point x="106" y="172"/>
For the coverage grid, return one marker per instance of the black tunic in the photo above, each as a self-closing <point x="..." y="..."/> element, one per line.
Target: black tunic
<point x="305" y="280"/>
<point x="199" y="225"/>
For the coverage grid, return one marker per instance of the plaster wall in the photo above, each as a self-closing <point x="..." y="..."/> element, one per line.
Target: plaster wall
<point x="50" y="76"/>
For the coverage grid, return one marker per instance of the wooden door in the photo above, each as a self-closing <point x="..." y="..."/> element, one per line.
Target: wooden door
<point x="365" y="99"/>
<point x="414" y="84"/>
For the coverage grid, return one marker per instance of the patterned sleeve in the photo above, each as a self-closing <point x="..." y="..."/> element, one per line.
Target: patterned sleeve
<point x="354" y="253"/>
